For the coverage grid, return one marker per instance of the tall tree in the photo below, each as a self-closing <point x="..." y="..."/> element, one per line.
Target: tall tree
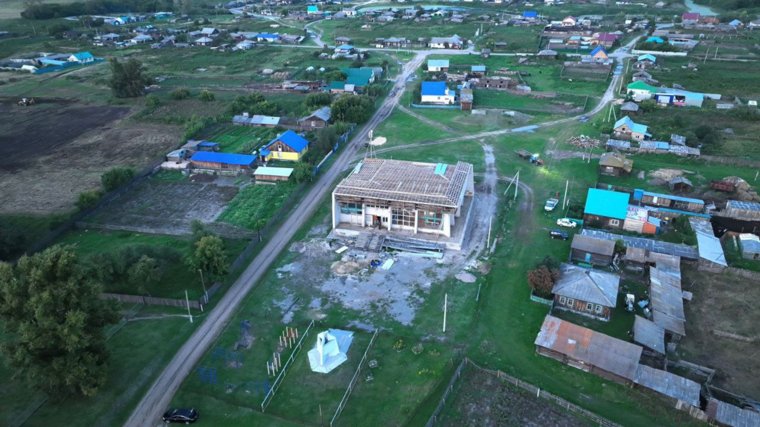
<point x="54" y="318"/>
<point x="209" y="256"/>
<point x="128" y="79"/>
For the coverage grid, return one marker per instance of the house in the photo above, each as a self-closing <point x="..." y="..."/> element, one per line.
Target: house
<point x="679" y="98"/>
<point x="496" y="82"/>
<point x="736" y="23"/>
<point x="592" y="251"/>
<point x="453" y="42"/>
<point x="605" y="208"/>
<point x="267" y="37"/>
<point x="750" y="245"/>
<point x="437" y="65"/>
<point x="141" y="38"/>
<point x="606" y="39"/>
<point x="641" y="91"/>
<point x="725" y="414"/>
<point x="436" y="93"/>
<point x="649" y="335"/>
<point x="680" y="184"/>
<point x="645" y="61"/>
<point x="203" y="41"/>
<point x="341" y="87"/>
<point x="669" y="201"/>
<point x="272" y="174"/>
<point x="342" y="40"/>
<point x="588" y="292"/>
<point x="82" y="58"/>
<point x="614" y="164"/>
<point x="599" y="54"/>
<point x="288" y="146"/>
<point x="629" y="108"/>
<point x="689" y="18"/>
<point x="256" y="120"/>
<point x="209" y="32"/>
<point x="530" y="15"/>
<point x="466" y="99"/>
<point x="569" y="21"/>
<point x="395" y="42"/>
<point x="316" y="120"/>
<point x="312" y="10"/>
<point x="742" y="210"/>
<point x="360" y="77"/>
<point x="396" y="195"/>
<point x="547" y="54"/>
<point x="222" y="162"/>
<point x="588" y="350"/>
<point x="627" y="128"/>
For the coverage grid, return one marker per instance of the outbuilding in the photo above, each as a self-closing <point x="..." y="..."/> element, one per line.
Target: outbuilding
<point x="593" y="251"/>
<point x="222" y="162"/>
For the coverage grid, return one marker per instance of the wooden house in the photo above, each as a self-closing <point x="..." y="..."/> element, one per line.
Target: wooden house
<point x="590" y="250"/>
<point x="585" y="291"/>
<point x="288" y="146"/>
<point x="214" y="161"/>
<point x="317" y="120"/>
<point x="614" y="164"/>
<point x="605" y="208"/>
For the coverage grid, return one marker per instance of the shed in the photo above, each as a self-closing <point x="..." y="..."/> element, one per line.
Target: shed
<point x="675" y="387"/>
<point x="680" y="184"/>
<point x="725" y="414"/>
<point x="436" y="65"/>
<point x="739" y="209"/>
<point x="212" y="160"/>
<point x="614" y="164"/>
<point x="629" y="107"/>
<point x="750" y="245"/>
<point x="272" y="174"/>
<point x="590" y="250"/>
<point x="317" y="120"/>
<point x="649" y="334"/>
<point x="711" y="256"/>
<point x="588" y="350"/>
<point x="667" y="301"/>
<point x="585" y="291"/>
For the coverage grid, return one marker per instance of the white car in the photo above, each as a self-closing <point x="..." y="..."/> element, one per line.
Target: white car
<point x="550" y="205"/>
<point x="566" y="222"/>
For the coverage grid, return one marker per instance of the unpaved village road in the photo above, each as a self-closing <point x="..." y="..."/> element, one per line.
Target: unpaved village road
<point x="157" y="399"/>
<point x="148" y="412"/>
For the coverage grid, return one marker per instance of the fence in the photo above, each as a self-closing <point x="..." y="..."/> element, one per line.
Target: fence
<point x="281" y="375"/>
<point x="657" y="52"/>
<point x="352" y="383"/>
<point x="439" y="107"/>
<point x="442" y="403"/>
<point x="138" y="299"/>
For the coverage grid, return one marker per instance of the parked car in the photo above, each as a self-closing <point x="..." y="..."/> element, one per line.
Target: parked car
<point x="180" y="415"/>
<point x="566" y="222"/>
<point x="559" y="234"/>
<point x="550" y="205"/>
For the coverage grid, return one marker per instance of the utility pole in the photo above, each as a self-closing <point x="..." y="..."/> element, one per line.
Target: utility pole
<point x="445" y="308"/>
<point x="203" y="283"/>
<point x="517" y="184"/>
<point x="187" y="301"/>
<point x="564" y="200"/>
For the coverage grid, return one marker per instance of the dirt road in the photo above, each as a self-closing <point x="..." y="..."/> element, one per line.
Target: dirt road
<point x="157" y="399"/>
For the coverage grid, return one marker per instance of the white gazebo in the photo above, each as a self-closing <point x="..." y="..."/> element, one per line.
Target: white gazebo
<point x="330" y="350"/>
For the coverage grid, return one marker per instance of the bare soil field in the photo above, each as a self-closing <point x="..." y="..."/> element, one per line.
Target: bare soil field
<point x="167" y="207"/>
<point x="56" y="149"/>
<point x="726" y="305"/>
<point x="482" y="400"/>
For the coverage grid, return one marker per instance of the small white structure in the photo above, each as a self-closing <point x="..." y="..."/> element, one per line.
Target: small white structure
<point x="330" y="350"/>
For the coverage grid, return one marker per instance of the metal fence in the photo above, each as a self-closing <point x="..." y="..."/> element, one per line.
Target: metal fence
<point x="277" y="381"/>
<point x="352" y="383"/>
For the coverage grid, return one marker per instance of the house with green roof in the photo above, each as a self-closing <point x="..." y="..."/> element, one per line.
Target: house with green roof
<point x="605" y="208"/>
<point x="641" y="91"/>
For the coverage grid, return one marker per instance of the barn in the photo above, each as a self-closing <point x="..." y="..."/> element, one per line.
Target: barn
<point x="222" y="162"/>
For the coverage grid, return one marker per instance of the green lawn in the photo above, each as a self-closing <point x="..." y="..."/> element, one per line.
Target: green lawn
<point x="728" y="78"/>
<point x="255" y="205"/>
<point x="401" y="128"/>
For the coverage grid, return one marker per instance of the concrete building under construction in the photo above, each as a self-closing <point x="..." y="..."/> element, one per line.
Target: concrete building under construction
<point x="402" y="196"/>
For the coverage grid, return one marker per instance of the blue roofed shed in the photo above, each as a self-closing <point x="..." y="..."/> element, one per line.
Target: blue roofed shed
<point x="222" y="161"/>
<point x="530" y="14"/>
<point x="647" y="57"/>
<point x="655" y="39"/>
<point x="438" y="65"/>
<point x="478" y="69"/>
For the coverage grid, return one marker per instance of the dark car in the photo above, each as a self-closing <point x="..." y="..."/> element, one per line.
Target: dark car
<point x="180" y="415"/>
<point x="559" y="234"/>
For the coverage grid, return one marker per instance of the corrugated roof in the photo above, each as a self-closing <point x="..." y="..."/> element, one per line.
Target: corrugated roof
<point x="635" y="127"/>
<point x="709" y="246"/>
<point x="588" y="285"/>
<point x="610" y="354"/>
<point x="403" y="181"/>
<point x="605" y="203"/>
<point x="667" y="300"/>
<point x="273" y="171"/>
<point x="433" y="88"/>
<point x="593" y="245"/>
<point x="291" y="139"/>
<point x="742" y="205"/>
<point x="672" y="197"/>
<point x="617" y="161"/>
<point x="640" y="85"/>
<point x="731" y="415"/>
<point x="670" y="385"/>
<point x="226" y="158"/>
<point x="750" y="243"/>
<point x="438" y="63"/>
<point x="649" y="334"/>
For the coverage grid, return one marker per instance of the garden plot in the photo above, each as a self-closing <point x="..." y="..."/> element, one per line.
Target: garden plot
<point x="168" y="207"/>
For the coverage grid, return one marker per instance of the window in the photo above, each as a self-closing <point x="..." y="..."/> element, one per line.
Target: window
<point x="403" y="217"/>
<point x="589" y="306"/>
<point x="562" y="300"/>
<point x="350" y="208"/>
<point x="570" y="302"/>
<point x="614" y="222"/>
<point x="599" y="309"/>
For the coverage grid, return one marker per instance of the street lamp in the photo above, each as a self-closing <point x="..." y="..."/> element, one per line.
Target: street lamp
<point x="203" y="283"/>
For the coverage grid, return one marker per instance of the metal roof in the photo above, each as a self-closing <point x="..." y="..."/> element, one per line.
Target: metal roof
<point x="709" y="246"/>
<point x="605" y="352"/>
<point x="403" y="181"/>
<point x="667" y="300"/>
<point x="605" y="203"/>
<point x="730" y="415"/>
<point x="226" y="158"/>
<point x="742" y="205"/>
<point x="587" y="285"/>
<point x="683" y="251"/>
<point x="649" y="334"/>
<point x="291" y="139"/>
<point x="434" y="88"/>
<point x="593" y="245"/>
<point x="750" y="243"/>
<point x="272" y="171"/>
<point x="672" y="197"/>
<point x="633" y="126"/>
<point x="669" y="384"/>
<point x="616" y="160"/>
<point x="438" y="63"/>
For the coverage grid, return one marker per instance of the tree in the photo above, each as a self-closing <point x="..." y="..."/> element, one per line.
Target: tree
<point x="352" y="108"/>
<point x="206" y="96"/>
<point x="116" y="177"/>
<point x="12" y="241"/>
<point x="88" y="199"/>
<point x="209" y="256"/>
<point x="319" y="99"/>
<point x="54" y="319"/>
<point x="128" y="79"/>
<point x="144" y="273"/>
<point x="619" y="246"/>
<point x="152" y="102"/>
<point x="542" y="278"/>
<point x="180" y="93"/>
<point x="302" y="172"/>
<point x="254" y="103"/>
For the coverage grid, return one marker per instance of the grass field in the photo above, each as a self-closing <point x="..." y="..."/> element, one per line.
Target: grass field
<point x="254" y="205"/>
<point x="360" y="37"/>
<point x="728" y="78"/>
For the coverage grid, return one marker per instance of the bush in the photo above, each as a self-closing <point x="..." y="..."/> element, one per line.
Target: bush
<point x="206" y="96"/>
<point x="152" y="101"/>
<point x="88" y="199"/>
<point x="180" y="94"/>
<point x="116" y="177"/>
<point x="542" y="278"/>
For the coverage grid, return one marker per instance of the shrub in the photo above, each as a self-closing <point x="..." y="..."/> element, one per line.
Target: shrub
<point x="180" y="94"/>
<point x="116" y="177"/>
<point x="88" y="199"/>
<point x="542" y="278"/>
<point x="206" y="96"/>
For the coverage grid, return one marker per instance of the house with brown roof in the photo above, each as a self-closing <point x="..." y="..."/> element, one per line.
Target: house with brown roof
<point x="614" y="164"/>
<point x="588" y="292"/>
<point x="590" y="250"/>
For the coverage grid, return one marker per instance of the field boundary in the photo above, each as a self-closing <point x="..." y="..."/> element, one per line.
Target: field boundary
<point x="352" y="383"/>
<point x="536" y="391"/>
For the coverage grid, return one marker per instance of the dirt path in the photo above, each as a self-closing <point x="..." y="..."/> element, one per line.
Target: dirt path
<point x="427" y="121"/>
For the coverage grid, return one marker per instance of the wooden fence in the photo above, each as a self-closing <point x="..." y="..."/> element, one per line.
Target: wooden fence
<point x="138" y="299"/>
<point x="352" y="383"/>
<point x="442" y="403"/>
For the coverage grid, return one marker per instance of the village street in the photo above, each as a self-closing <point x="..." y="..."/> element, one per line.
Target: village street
<point x="160" y="394"/>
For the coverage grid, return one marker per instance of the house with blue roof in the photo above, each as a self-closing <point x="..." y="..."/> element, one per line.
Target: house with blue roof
<point x="478" y="69"/>
<point x="530" y="15"/>
<point x="437" y="65"/>
<point x="628" y="129"/>
<point x="312" y="9"/>
<point x="647" y="57"/>
<point x="437" y="93"/>
<point x="82" y="58"/>
<point x="222" y="162"/>
<point x="679" y="97"/>
<point x="655" y="39"/>
<point x="599" y="54"/>
<point x="267" y="37"/>
<point x="605" y="208"/>
<point x="289" y="146"/>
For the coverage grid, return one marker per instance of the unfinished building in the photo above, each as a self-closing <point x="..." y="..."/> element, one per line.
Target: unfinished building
<point x="402" y="196"/>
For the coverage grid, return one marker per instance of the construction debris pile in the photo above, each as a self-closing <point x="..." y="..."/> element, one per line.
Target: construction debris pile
<point x="743" y="191"/>
<point x="584" y="141"/>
